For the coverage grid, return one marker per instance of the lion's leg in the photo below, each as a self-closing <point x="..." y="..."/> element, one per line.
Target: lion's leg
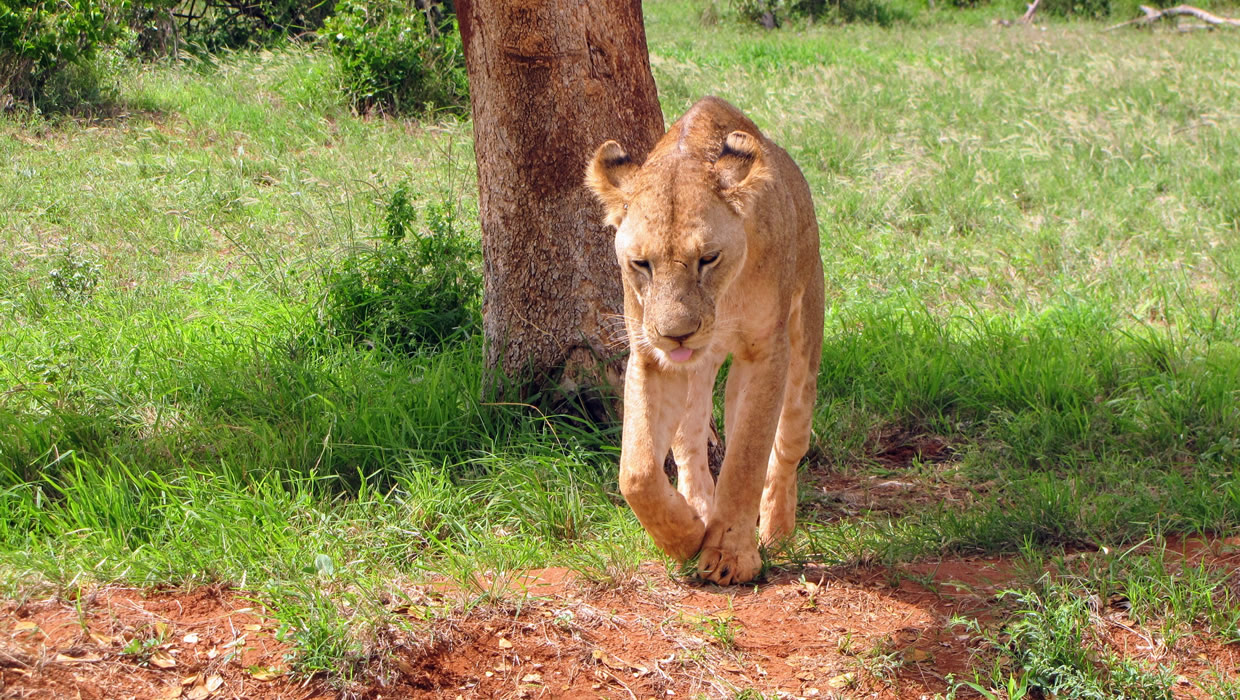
<point x="689" y="448"/>
<point x="777" y="517"/>
<point x="751" y="412"/>
<point x="652" y="408"/>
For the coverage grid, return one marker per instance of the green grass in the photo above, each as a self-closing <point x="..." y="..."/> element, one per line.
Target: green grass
<point x="1031" y="247"/>
<point x="1058" y="635"/>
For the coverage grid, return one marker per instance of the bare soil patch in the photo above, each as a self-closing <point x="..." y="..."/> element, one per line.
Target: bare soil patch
<point x="125" y="643"/>
<point x="815" y="632"/>
<point x="802" y="635"/>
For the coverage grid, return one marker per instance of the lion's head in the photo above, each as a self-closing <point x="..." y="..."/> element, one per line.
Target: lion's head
<point x="680" y="234"/>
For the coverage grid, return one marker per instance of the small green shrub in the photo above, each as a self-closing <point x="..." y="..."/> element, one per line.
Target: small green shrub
<point x="1087" y="9"/>
<point x="1053" y="640"/>
<point x="881" y="12"/>
<point x="884" y="13"/>
<point x="962" y="4"/>
<point x="153" y="29"/>
<point x="74" y="276"/>
<point x="217" y="24"/>
<point x="759" y="10"/>
<point x="414" y="289"/>
<point x="394" y="59"/>
<point x="47" y="47"/>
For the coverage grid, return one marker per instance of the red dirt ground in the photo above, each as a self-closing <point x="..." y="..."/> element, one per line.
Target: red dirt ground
<point x="77" y="648"/>
<point x="873" y="633"/>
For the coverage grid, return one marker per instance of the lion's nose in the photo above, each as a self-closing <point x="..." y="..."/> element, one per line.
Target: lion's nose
<point x="678" y="335"/>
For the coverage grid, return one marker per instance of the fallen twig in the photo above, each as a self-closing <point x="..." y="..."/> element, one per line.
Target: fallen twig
<point x="1028" y="16"/>
<point x="1153" y="15"/>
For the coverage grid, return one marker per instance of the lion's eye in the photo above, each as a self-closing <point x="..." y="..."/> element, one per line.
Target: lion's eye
<point x="642" y="265"/>
<point x="708" y="259"/>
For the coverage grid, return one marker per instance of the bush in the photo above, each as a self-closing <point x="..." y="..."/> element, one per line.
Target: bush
<point x="74" y="276"/>
<point x="216" y="24"/>
<point x="153" y="30"/>
<point x="881" y="12"/>
<point x="1089" y="9"/>
<point x="393" y="58"/>
<point x="47" y="47"/>
<point x="414" y="289"/>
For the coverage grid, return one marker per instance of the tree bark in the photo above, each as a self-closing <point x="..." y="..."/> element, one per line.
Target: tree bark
<point x="550" y="80"/>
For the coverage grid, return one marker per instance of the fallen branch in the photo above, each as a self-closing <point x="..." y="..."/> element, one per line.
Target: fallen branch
<point x="1028" y="16"/>
<point x="1153" y="15"/>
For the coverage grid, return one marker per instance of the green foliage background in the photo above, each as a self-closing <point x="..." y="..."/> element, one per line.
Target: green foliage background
<point x="392" y="59"/>
<point x="45" y="46"/>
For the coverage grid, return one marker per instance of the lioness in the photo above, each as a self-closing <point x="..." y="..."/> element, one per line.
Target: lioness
<point x="718" y="248"/>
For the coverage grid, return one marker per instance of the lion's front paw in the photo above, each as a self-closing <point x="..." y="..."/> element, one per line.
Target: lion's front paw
<point x="679" y="543"/>
<point x="727" y="558"/>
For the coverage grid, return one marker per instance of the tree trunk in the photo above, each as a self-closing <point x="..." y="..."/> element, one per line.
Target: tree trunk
<point x="549" y="81"/>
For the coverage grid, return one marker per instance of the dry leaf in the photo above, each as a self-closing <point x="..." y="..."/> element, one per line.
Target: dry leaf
<point x="268" y="673"/>
<point x="844" y="680"/>
<point x="170" y="693"/>
<point x="212" y="653"/>
<point x="504" y="643"/>
<point x="191" y="638"/>
<point x="532" y="678"/>
<point x="191" y="680"/>
<point x="80" y="659"/>
<point x="214" y="681"/>
<point x="729" y="666"/>
<point x="162" y="659"/>
<point x="917" y="655"/>
<point x="198" y="692"/>
<point x="252" y="627"/>
<point x="805" y="676"/>
<point x="26" y="627"/>
<point x="609" y="660"/>
<point x="161" y="629"/>
<point x="101" y="639"/>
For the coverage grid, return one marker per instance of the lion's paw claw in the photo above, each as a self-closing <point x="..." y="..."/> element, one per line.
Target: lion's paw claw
<point x="726" y="567"/>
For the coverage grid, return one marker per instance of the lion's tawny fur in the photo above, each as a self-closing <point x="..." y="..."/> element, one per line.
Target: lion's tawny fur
<point x="719" y="253"/>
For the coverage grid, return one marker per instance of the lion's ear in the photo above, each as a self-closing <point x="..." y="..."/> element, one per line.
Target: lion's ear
<point x="606" y="175"/>
<point x="741" y="169"/>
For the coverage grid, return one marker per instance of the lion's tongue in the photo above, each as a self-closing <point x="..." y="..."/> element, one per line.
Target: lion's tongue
<point x="680" y="354"/>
